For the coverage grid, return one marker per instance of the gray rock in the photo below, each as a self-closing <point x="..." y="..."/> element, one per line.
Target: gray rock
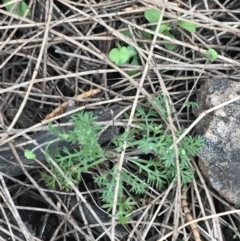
<point x="219" y="159"/>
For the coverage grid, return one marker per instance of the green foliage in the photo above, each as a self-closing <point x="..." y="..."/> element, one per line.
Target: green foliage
<point x="131" y="51"/>
<point x="152" y="15"/>
<point x="133" y="62"/>
<point x="119" y="55"/>
<point x="20" y="9"/>
<point x="163" y="27"/>
<point x="74" y="162"/>
<point x="160" y="169"/>
<point x="125" y="55"/>
<point x="211" y="55"/>
<point x="146" y="35"/>
<point x="187" y="25"/>
<point x="29" y="154"/>
<point x="161" y="104"/>
<point x="191" y="104"/>
<point x="155" y="166"/>
<point x="170" y="46"/>
<point x="126" y="33"/>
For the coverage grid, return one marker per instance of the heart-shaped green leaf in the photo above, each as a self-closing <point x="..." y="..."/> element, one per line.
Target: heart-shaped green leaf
<point x="119" y="55"/>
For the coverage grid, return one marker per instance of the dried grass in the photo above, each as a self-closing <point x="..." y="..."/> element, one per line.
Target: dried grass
<point x="62" y="51"/>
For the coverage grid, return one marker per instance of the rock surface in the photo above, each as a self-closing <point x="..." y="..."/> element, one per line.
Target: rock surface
<point x="219" y="159"/>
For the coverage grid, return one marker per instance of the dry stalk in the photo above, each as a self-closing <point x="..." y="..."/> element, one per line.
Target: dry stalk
<point x="61" y="107"/>
<point x="188" y="214"/>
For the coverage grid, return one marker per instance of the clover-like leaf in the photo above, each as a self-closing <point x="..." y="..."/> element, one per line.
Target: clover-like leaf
<point x="211" y="55"/>
<point x="152" y="15"/>
<point x="187" y="25"/>
<point x="19" y="10"/>
<point x="119" y="55"/>
<point x="29" y="154"/>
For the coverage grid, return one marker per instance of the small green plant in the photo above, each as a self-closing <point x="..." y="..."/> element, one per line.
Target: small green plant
<point x="191" y="104"/>
<point x="20" y="9"/>
<point x="211" y="55"/>
<point x="121" y="54"/>
<point x="29" y="154"/>
<point x="155" y="164"/>
<point x="153" y="15"/>
<point x="128" y="55"/>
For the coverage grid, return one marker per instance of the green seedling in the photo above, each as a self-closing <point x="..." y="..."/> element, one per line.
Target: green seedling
<point x="158" y="168"/>
<point x="20" y="9"/>
<point x="211" y="55"/>
<point x="119" y="55"/>
<point x="153" y="15"/>
<point x="191" y="104"/>
<point x="29" y="154"/>
<point x="125" y="55"/>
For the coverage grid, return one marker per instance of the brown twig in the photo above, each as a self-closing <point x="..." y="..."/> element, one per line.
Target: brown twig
<point x="61" y="107"/>
<point x="188" y="215"/>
